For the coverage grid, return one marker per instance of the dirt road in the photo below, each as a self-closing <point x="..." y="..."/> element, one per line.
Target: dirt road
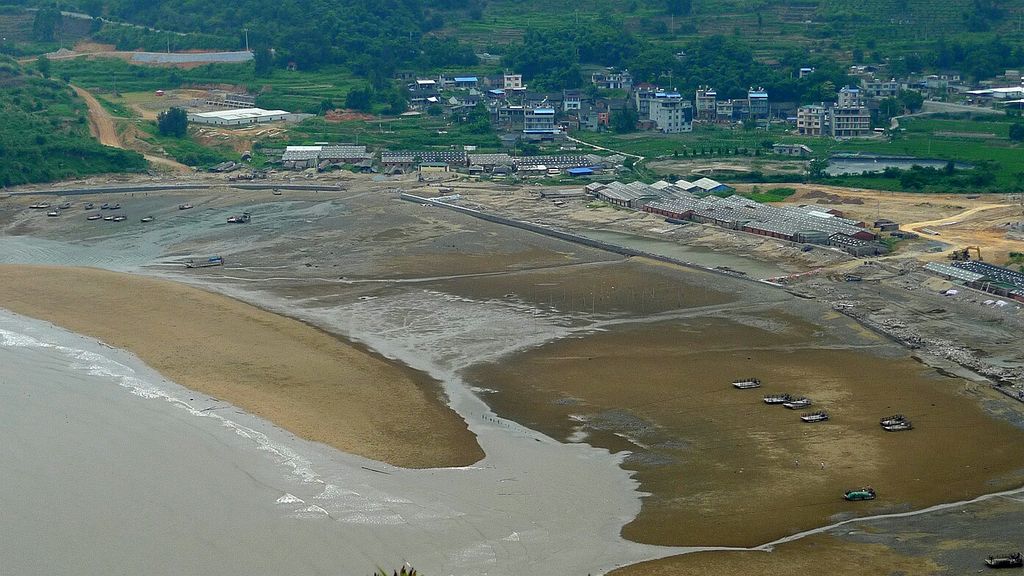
<point x="102" y="127"/>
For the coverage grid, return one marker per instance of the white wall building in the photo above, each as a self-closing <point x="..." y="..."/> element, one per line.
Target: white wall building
<point x="671" y="113"/>
<point x="239" y="117"/>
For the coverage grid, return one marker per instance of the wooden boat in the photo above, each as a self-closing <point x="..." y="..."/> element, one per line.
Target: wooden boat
<point x="898" y="426"/>
<point x="115" y="207"/>
<point x="777" y="398"/>
<point x="243" y="219"/>
<point x="746" y="383"/>
<point x="819" y="416"/>
<point x="860" y="494"/>
<point x="104" y="206"/>
<point x="276" y="192"/>
<point x="40" y="206"/>
<point x="89" y="206"/>
<point x="120" y="218"/>
<point x="147" y="219"/>
<point x="1015" y="560"/>
<point x="890" y="420"/>
<point x="53" y="213"/>
<point x="65" y="206"/>
<point x="108" y="218"/>
<point x="796" y="403"/>
<point x="184" y="206"/>
<point x="93" y="217"/>
<point x="211" y="261"/>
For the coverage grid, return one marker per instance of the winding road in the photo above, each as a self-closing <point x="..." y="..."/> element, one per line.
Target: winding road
<point x="101" y="124"/>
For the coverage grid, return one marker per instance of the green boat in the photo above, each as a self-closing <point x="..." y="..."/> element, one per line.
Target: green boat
<point x="860" y="494"/>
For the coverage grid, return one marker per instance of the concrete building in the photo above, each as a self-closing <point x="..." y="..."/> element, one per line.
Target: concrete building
<point x="812" y="120"/>
<point x="806" y="71"/>
<point x="539" y="121"/>
<point x="757" y="103"/>
<point x="800" y="150"/>
<point x="512" y="81"/>
<point x="878" y="89"/>
<point x="849" y="122"/>
<point x="849" y="97"/>
<point x="724" y="111"/>
<point x="704" y="103"/>
<point x="670" y="113"/>
<point x="571" y="100"/>
<point x="239" y="117"/>
<point x="613" y="80"/>
<point x="466" y="82"/>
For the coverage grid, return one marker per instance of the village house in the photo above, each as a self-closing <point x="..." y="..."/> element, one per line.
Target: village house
<point x="613" y="80"/>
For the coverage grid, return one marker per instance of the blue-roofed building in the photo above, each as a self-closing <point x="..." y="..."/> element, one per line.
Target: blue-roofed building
<point x="539" y="123"/>
<point x="757" y="102"/>
<point x="580" y="171"/>
<point x="466" y="82"/>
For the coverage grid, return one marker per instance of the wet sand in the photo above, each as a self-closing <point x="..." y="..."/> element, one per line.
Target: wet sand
<point x="300" y="378"/>
<point x="818" y="554"/>
<point x="725" y="469"/>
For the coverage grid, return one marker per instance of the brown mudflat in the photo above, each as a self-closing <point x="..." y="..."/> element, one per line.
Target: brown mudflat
<point x="723" y="468"/>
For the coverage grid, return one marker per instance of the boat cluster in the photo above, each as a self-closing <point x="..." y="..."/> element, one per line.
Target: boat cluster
<point x="1014" y="560"/>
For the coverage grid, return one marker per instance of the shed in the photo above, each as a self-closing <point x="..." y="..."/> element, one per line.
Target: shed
<point x="580" y="172"/>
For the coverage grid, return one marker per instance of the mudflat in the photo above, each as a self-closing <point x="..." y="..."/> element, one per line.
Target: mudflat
<point x="302" y="379"/>
<point x="725" y="469"/>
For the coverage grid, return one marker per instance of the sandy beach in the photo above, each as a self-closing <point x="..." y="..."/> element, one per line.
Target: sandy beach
<point x="300" y="378"/>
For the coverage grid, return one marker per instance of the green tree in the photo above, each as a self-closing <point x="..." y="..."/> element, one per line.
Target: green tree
<point x="625" y="121"/>
<point x="1017" y="132"/>
<point x="360" y="99"/>
<point x="44" y="25"/>
<point x="817" y="168"/>
<point x="173" y="122"/>
<point x="679" y="7"/>
<point x="911" y="100"/>
<point x="264" y="62"/>
<point x="43" y="65"/>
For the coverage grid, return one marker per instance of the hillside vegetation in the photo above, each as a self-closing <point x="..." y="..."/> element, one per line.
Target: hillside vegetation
<point x="45" y="132"/>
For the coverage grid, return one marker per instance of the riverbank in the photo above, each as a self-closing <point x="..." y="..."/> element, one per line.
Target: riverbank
<point x="300" y="378"/>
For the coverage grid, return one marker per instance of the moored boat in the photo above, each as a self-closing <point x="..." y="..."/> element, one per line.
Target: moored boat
<point x="1015" y="560"/>
<point x="115" y="207"/>
<point x="54" y="212"/>
<point x="147" y="219"/>
<point x="65" y="206"/>
<point x="108" y="218"/>
<point x="890" y="420"/>
<point x="243" y="219"/>
<point x="796" y="403"/>
<point x="89" y="206"/>
<point x="860" y="494"/>
<point x="276" y="192"/>
<point x="898" y="426"/>
<point x="184" y="206"/>
<point x="120" y="218"/>
<point x="211" y="261"/>
<point x="819" y="416"/>
<point x="40" y="205"/>
<point x="104" y="206"/>
<point x="777" y="398"/>
<point x="746" y="383"/>
<point x="93" y="217"/>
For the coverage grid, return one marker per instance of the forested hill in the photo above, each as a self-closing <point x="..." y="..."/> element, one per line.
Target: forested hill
<point x="44" y="135"/>
<point x="729" y="43"/>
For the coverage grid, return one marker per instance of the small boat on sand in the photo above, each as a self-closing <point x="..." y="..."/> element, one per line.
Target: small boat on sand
<point x="746" y="383"/>
<point x="819" y="416"/>
<point x="89" y="206"/>
<point x="1015" y="560"/>
<point x="93" y="217"/>
<point x="898" y="426"/>
<point x="40" y="206"/>
<point x="115" y="207"/>
<point x="184" y="206"/>
<point x="53" y="212"/>
<point x="777" y="398"/>
<point x="147" y="219"/>
<point x="276" y="192"/>
<point x="890" y="420"/>
<point x="797" y="403"/>
<point x="860" y="494"/>
<point x="120" y="218"/>
<point x="211" y="261"/>
<point x="108" y="218"/>
<point x="65" y="206"/>
<point x="104" y="206"/>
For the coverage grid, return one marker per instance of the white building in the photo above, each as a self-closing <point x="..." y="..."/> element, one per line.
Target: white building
<point x="705" y="103"/>
<point x="512" y="81"/>
<point x="240" y="117"/>
<point x="671" y="113"/>
<point x="812" y="120"/>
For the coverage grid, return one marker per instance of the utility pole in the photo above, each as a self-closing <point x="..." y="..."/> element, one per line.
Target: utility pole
<point x="246" y="30"/>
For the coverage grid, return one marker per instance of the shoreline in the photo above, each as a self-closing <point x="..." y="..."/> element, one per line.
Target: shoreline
<point x="315" y="384"/>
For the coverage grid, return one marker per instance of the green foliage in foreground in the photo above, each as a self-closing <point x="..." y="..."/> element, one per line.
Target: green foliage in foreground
<point x="44" y="135"/>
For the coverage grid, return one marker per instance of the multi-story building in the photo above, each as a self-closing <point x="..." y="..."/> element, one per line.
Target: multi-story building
<point x="512" y="81"/>
<point x="846" y="122"/>
<point x="878" y="89"/>
<point x="642" y="98"/>
<point x="670" y="113"/>
<point x="705" y="103"/>
<point x="613" y="80"/>
<point x="812" y="120"/>
<point x="757" y="103"/>
<point x="849" y="97"/>
<point x="539" y="121"/>
<point x="724" y="110"/>
<point x="571" y="100"/>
